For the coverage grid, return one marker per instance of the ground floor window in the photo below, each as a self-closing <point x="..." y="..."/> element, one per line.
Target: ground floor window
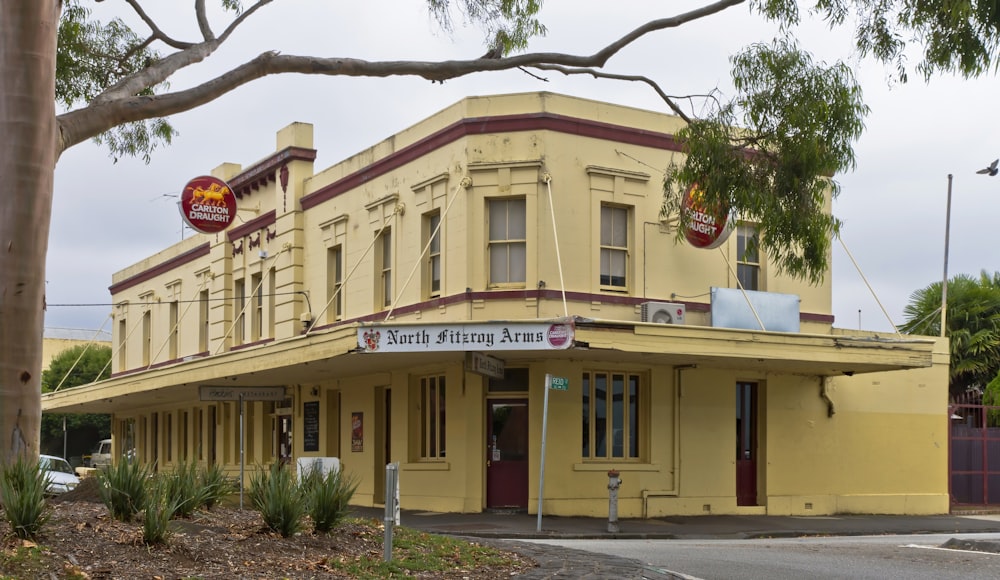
<point x="431" y="411"/>
<point x="612" y="404"/>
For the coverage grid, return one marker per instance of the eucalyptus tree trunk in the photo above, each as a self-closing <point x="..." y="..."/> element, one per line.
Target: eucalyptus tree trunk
<point x="27" y="163"/>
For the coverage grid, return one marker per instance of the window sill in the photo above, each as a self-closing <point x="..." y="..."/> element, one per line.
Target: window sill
<point x="620" y="465"/>
<point x="426" y="466"/>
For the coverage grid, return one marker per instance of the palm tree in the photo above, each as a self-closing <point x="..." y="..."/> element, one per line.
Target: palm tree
<point x="973" y="326"/>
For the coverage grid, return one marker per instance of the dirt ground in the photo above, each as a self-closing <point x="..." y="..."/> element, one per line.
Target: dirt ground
<point x="81" y="540"/>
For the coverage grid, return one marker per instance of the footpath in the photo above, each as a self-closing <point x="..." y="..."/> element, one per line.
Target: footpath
<point x="505" y="529"/>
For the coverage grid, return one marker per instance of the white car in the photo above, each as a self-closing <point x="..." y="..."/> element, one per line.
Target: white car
<point x="59" y="475"/>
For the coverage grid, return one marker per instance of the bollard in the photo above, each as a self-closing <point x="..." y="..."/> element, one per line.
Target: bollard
<point x="614" y="482"/>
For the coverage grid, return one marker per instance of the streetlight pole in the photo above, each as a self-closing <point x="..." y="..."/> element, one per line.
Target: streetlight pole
<point x="944" y="281"/>
<point x="992" y="169"/>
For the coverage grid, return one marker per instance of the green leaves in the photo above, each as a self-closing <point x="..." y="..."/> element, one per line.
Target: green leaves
<point x="973" y="325"/>
<point x="959" y="36"/>
<point x="509" y="24"/>
<point x="93" y="56"/>
<point x="771" y="152"/>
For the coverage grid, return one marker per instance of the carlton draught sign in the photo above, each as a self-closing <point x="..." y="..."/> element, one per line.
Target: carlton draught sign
<point x="207" y="204"/>
<point x="708" y="227"/>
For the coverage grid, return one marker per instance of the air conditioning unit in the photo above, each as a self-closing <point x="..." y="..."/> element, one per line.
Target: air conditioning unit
<point x="663" y="312"/>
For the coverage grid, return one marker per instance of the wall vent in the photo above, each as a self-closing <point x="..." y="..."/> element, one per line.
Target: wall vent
<point x="663" y="312"/>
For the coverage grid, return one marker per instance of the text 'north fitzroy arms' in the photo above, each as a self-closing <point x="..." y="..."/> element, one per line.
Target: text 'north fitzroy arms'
<point x="450" y="337"/>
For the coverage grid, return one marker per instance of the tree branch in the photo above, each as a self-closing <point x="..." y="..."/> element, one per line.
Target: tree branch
<point x="119" y="104"/>
<point x="239" y="19"/>
<point x="669" y="100"/>
<point x="157" y="33"/>
<point x="206" y="30"/>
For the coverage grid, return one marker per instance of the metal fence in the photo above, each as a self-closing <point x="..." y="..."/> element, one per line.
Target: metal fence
<point x="974" y="471"/>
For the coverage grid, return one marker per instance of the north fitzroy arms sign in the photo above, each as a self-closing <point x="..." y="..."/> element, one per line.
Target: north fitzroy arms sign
<point x="495" y="336"/>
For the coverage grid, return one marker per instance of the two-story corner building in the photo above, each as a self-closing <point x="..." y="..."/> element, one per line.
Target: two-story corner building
<point x="412" y="303"/>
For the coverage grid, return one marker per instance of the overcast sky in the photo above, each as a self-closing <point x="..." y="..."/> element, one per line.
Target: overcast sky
<point x="108" y="216"/>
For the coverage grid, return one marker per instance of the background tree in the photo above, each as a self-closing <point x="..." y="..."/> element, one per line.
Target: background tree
<point x="973" y="326"/>
<point x="113" y="84"/>
<point x="75" y="366"/>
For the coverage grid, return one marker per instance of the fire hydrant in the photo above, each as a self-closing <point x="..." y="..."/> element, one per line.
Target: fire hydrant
<point x="614" y="482"/>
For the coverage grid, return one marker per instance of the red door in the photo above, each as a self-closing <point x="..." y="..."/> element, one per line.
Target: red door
<point x="507" y="453"/>
<point x="746" y="443"/>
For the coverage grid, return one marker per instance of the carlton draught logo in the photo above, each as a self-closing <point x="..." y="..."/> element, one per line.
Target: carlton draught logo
<point x="207" y="204"/>
<point x="708" y="227"/>
<point x="559" y="335"/>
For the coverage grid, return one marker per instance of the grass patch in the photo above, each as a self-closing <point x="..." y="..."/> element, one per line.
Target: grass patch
<point x="415" y="552"/>
<point x="25" y="562"/>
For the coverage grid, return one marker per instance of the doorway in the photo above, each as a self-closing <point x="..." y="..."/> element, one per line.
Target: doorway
<point x="746" y="443"/>
<point x="284" y="435"/>
<point x="507" y="454"/>
<point x="383" y="439"/>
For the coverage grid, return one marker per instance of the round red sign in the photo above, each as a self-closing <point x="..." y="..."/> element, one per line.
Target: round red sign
<point x="559" y="335"/>
<point x="708" y="227"/>
<point x="207" y="204"/>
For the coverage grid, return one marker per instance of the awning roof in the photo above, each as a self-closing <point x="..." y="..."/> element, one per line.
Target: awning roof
<point x="326" y="356"/>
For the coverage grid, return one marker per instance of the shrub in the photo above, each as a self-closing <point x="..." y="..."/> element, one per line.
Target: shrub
<point x="327" y="497"/>
<point x="216" y="485"/>
<point x="22" y="492"/>
<point x="122" y="487"/>
<point x="159" y="509"/>
<point x="183" y="489"/>
<point x="276" y="496"/>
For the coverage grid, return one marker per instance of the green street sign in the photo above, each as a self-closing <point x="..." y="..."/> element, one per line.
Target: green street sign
<point x="559" y="384"/>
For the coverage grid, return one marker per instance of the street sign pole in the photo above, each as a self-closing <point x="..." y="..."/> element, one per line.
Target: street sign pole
<point x="242" y="456"/>
<point x="541" y="471"/>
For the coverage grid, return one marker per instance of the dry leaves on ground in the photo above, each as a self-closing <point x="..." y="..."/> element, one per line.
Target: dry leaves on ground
<point x="82" y="541"/>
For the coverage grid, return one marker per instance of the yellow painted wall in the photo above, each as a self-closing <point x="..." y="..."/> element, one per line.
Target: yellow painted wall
<point x="884" y="449"/>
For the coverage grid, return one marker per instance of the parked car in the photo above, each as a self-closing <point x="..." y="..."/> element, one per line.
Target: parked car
<point x="100" y="458"/>
<point x="59" y="474"/>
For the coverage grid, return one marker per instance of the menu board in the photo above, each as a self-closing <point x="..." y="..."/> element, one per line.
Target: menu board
<point x="310" y="426"/>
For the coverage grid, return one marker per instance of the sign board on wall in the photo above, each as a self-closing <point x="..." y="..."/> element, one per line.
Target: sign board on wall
<point x="709" y="227"/>
<point x="485" y="364"/>
<point x="488" y="336"/>
<point x="357" y="431"/>
<point x="310" y="426"/>
<point x="207" y="204"/>
<point x="210" y="393"/>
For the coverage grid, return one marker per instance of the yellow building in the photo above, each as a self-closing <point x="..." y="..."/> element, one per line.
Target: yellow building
<point x="56" y="340"/>
<point x="411" y="303"/>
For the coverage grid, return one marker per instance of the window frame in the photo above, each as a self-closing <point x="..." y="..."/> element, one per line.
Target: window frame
<point x="433" y="260"/>
<point x="147" y="337"/>
<point x="173" y="328"/>
<point x="257" y="307"/>
<point x="383" y="269"/>
<point x="607" y="246"/>
<point x="335" y="283"/>
<point x="431" y="410"/>
<point x="239" y="298"/>
<point x="632" y="420"/>
<point x="748" y="261"/>
<point x="205" y="323"/>
<point x="507" y="243"/>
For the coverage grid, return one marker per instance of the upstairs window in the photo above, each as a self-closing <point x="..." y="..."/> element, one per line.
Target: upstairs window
<point x="432" y="263"/>
<point x="614" y="247"/>
<point x="748" y="257"/>
<point x="334" y="283"/>
<point x="507" y="242"/>
<point x="383" y="270"/>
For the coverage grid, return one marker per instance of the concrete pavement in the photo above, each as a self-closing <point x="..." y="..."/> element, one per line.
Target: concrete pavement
<point x="504" y="529"/>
